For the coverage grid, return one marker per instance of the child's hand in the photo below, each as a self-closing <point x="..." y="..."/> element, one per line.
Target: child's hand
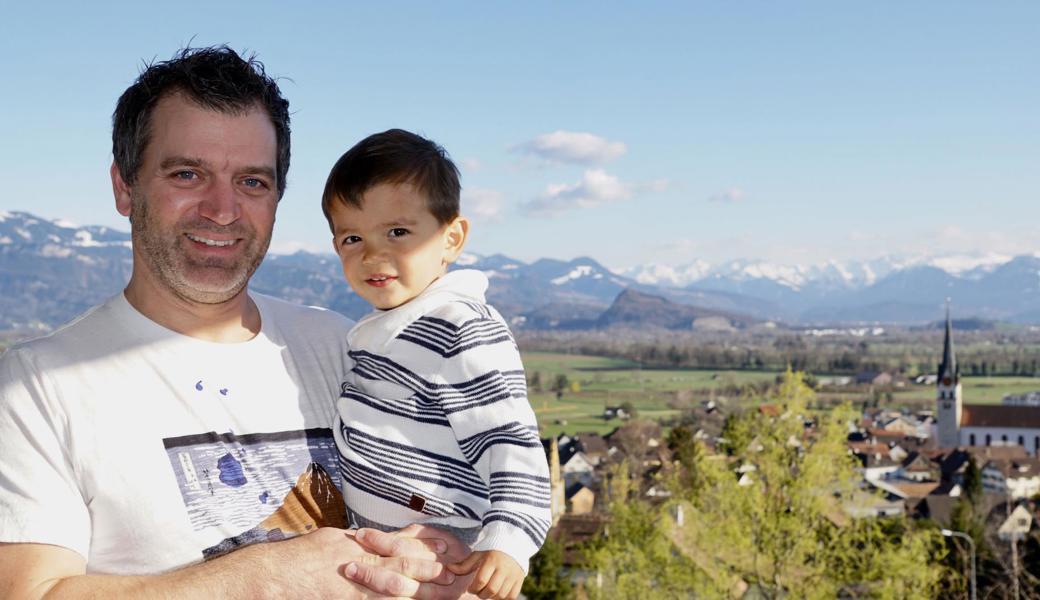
<point x="498" y="575"/>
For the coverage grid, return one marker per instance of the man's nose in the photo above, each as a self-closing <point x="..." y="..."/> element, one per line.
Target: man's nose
<point x="220" y="204"/>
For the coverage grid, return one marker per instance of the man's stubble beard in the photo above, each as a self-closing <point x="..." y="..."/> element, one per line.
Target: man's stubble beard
<point x="172" y="267"/>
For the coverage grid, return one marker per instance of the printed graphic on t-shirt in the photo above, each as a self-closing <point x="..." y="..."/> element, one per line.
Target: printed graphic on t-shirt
<point x="268" y="486"/>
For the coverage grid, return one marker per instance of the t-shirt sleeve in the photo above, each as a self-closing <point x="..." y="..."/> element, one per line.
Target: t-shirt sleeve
<point x="40" y="500"/>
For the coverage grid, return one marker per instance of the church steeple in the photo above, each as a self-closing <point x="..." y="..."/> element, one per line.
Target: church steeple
<point x="948" y="392"/>
<point x="949" y="372"/>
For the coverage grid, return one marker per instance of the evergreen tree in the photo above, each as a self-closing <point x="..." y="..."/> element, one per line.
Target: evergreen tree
<point x="547" y="579"/>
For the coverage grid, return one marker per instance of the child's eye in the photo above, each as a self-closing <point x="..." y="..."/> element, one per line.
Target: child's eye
<point x="398" y="232"/>
<point x="350" y="239"/>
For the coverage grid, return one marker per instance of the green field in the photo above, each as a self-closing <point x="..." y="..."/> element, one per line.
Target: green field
<point x="602" y="382"/>
<point x="598" y="382"/>
<point x="976" y="390"/>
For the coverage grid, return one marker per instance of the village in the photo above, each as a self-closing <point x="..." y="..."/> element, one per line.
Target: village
<point x="957" y="466"/>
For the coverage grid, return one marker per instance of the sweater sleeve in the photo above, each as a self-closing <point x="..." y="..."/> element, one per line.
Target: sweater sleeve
<point x="487" y="407"/>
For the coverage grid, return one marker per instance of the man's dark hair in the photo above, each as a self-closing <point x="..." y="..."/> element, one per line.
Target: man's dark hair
<point x="215" y="78"/>
<point x="395" y="156"/>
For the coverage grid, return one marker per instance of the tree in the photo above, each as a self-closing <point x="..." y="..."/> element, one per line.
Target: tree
<point x="560" y="383"/>
<point x="784" y="528"/>
<point x="547" y="579"/>
<point x="634" y="558"/>
<point x="688" y="452"/>
<point x="536" y="381"/>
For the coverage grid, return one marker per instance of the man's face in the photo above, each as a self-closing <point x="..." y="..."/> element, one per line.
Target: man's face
<point x="203" y="206"/>
<point x="393" y="247"/>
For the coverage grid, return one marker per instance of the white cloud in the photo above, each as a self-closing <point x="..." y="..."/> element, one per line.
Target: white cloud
<point x="597" y="187"/>
<point x="470" y="165"/>
<point x="572" y="147"/>
<point x="482" y="204"/>
<point x="728" y="196"/>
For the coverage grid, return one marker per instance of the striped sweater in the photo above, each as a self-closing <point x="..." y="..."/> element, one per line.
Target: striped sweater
<point x="434" y="424"/>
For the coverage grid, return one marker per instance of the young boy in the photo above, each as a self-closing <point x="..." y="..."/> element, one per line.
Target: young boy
<point x="434" y="423"/>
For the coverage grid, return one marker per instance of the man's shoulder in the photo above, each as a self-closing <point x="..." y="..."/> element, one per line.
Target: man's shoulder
<point x="290" y="313"/>
<point x="81" y="330"/>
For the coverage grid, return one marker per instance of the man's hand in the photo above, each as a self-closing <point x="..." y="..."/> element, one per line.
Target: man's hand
<point x="421" y="542"/>
<point x="323" y="564"/>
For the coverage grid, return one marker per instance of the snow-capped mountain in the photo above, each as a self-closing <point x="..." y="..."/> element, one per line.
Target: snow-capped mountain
<point x="52" y="270"/>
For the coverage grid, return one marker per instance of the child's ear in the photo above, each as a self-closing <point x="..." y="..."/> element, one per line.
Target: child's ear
<point x="455" y="239"/>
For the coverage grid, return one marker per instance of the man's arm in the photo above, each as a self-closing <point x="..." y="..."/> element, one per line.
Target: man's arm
<point x="309" y="566"/>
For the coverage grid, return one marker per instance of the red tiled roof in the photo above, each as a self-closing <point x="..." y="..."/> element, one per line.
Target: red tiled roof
<point x="997" y="415"/>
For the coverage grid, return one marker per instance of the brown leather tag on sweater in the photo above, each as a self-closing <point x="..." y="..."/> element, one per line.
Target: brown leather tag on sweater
<point x="417" y="503"/>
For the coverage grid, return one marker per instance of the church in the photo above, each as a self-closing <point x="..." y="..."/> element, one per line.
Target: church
<point x="959" y="424"/>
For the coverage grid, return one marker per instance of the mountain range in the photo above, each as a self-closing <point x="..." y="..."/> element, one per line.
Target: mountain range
<point x="52" y="270"/>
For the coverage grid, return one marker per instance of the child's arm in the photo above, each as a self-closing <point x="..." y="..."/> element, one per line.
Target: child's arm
<point x="497" y="432"/>
<point x="498" y="575"/>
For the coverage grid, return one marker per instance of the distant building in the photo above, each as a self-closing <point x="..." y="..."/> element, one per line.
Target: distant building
<point x="1027" y="399"/>
<point x="959" y="424"/>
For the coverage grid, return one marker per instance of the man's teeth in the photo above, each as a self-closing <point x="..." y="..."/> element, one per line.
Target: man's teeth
<point x="209" y="242"/>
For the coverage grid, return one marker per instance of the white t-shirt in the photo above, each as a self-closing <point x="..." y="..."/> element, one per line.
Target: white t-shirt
<point x="145" y="450"/>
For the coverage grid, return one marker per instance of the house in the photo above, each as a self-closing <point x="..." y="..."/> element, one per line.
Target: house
<point x="581" y="499"/>
<point x="592" y="445"/>
<point x="1017" y="525"/>
<point x="919" y="468"/>
<point x="577" y="468"/>
<point x="1015" y="478"/>
<point x="615" y="412"/>
<point x="873" y="378"/>
<point x="864" y="504"/>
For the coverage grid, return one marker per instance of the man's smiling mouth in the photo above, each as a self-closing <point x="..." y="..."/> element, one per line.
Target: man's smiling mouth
<point x="209" y="242"/>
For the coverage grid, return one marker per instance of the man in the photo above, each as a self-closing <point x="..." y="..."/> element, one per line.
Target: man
<point x="145" y="446"/>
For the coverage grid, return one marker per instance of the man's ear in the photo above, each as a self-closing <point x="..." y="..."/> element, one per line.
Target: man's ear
<point x="455" y="239"/>
<point x="121" y="190"/>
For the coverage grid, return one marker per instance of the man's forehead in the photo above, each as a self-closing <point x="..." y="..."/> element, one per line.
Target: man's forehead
<point x="188" y="131"/>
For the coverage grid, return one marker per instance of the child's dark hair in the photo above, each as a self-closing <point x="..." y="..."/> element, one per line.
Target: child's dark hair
<point x="395" y="156"/>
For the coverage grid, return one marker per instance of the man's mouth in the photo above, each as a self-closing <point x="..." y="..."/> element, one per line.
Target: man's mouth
<point x="209" y="242"/>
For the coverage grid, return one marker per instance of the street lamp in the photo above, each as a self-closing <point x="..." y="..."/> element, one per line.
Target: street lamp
<point x="971" y="545"/>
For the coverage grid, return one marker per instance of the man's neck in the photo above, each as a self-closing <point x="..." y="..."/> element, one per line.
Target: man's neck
<point x="235" y="320"/>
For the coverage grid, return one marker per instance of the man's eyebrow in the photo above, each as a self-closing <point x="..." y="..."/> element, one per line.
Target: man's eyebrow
<point x="180" y="161"/>
<point x="186" y="161"/>
<point x="264" y="170"/>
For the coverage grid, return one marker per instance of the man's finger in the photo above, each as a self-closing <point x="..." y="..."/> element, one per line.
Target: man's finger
<point x="447" y="543"/>
<point x="396" y="544"/>
<point x="419" y="569"/>
<point x="380" y="580"/>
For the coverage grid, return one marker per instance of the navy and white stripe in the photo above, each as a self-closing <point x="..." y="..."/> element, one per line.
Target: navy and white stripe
<point x="515" y="434"/>
<point x="408" y="462"/>
<point x="448" y="339"/>
<point x="487" y="388"/>
<point x="435" y="419"/>
<point x="416" y="408"/>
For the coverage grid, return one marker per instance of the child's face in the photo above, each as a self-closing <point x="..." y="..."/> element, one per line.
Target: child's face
<point x="393" y="247"/>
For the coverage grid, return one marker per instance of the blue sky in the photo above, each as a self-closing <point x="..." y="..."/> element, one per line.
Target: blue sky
<point x="650" y="133"/>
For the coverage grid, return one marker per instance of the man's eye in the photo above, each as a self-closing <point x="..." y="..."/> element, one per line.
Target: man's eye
<point x="398" y="232"/>
<point x="185" y="175"/>
<point x="350" y="239"/>
<point x="254" y="182"/>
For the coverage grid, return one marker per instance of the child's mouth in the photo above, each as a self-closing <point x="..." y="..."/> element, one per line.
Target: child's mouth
<point x="380" y="280"/>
